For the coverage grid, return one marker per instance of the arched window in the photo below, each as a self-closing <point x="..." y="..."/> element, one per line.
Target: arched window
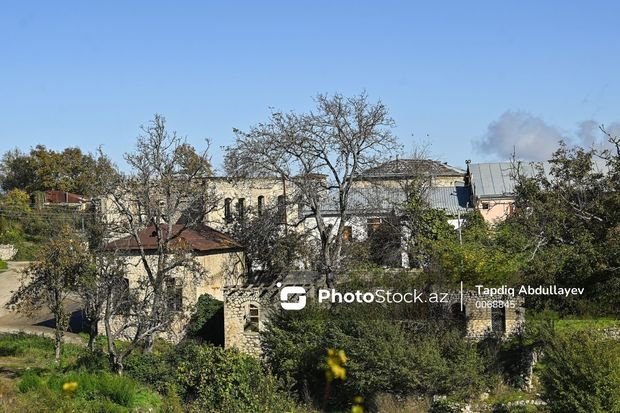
<point x="241" y="208"/>
<point x="227" y="211"/>
<point x="252" y="319"/>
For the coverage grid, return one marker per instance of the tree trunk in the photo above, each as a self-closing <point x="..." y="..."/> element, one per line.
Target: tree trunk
<point x="58" y="335"/>
<point x="116" y="362"/>
<point x="93" y="332"/>
<point x="330" y="278"/>
<point x="149" y="341"/>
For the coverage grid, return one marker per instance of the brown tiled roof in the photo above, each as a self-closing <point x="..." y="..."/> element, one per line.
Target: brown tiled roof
<point x="410" y="167"/>
<point x="201" y="239"/>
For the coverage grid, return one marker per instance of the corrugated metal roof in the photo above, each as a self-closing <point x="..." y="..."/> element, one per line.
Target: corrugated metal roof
<point x="497" y="179"/>
<point x="450" y="199"/>
<point x="379" y="199"/>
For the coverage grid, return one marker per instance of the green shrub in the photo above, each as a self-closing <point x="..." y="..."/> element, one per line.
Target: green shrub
<point x="382" y="356"/>
<point x="215" y="379"/>
<point x="209" y="378"/>
<point x="92" y="361"/>
<point x="3" y="265"/>
<point x="29" y="382"/>
<point x="155" y="369"/>
<point x="444" y="406"/>
<point x="21" y="344"/>
<point x="581" y="373"/>
<point x="205" y="321"/>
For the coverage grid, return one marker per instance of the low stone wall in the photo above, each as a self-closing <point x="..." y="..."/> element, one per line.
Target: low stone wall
<point x="7" y="252"/>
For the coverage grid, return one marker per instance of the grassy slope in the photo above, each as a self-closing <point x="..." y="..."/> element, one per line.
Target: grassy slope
<point x="31" y="381"/>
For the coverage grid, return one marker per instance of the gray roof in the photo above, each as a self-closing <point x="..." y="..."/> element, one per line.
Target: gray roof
<point x="381" y="200"/>
<point x="451" y="200"/>
<point x="497" y="179"/>
<point x="399" y="168"/>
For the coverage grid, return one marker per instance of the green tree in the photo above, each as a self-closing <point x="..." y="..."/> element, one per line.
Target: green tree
<point x="44" y="169"/>
<point x="49" y="281"/>
<point x="581" y="373"/>
<point x="565" y="228"/>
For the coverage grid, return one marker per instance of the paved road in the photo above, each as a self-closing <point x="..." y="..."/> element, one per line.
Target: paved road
<point x="13" y="322"/>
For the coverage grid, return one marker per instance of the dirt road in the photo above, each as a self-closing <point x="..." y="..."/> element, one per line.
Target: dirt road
<point x="13" y="322"/>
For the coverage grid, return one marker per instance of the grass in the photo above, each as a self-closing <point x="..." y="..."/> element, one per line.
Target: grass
<point x="3" y="265"/>
<point x="569" y="324"/>
<point x="31" y="381"/>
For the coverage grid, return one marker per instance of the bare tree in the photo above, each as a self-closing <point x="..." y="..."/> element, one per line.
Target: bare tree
<point x="166" y="193"/>
<point x="319" y="153"/>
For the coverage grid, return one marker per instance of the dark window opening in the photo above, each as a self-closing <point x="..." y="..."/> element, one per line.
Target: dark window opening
<point x="498" y="320"/>
<point x="261" y="205"/>
<point x="485" y="205"/>
<point x="227" y="211"/>
<point x="373" y="225"/>
<point x="241" y="208"/>
<point x="174" y="291"/>
<point x="252" y="319"/>
<point x="347" y="233"/>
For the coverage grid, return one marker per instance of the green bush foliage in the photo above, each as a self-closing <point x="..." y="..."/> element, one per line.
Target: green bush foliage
<point x="205" y="310"/>
<point x="209" y="378"/>
<point x="383" y="357"/>
<point x="581" y="373"/>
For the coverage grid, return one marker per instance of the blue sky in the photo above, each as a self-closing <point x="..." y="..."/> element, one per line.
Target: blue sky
<point x="473" y="79"/>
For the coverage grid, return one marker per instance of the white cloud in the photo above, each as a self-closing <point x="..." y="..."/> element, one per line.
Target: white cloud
<point x="591" y="136"/>
<point x="521" y="133"/>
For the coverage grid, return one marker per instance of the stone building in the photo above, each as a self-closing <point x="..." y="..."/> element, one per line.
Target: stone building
<point x="218" y="255"/>
<point x="247" y="309"/>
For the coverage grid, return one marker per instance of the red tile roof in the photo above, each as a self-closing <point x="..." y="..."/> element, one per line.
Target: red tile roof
<point x="201" y="239"/>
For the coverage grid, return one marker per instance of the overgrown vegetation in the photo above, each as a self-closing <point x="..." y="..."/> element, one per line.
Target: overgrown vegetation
<point x="582" y="373"/>
<point x="190" y="377"/>
<point x="384" y="356"/>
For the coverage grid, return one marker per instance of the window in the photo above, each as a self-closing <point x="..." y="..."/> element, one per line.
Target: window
<point x="241" y="208"/>
<point x="227" y="212"/>
<point x="498" y="320"/>
<point x="261" y="205"/>
<point x="347" y="234"/>
<point x="282" y="209"/>
<point x="252" y="319"/>
<point x="174" y="293"/>
<point x="485" y="205"/>
<point x="373" y="225"/>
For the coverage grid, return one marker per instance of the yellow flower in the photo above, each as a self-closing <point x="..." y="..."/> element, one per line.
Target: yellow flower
<point x="357" y="407"/>
<point x="335" y="361"/>
<point x="70" y="386"/>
